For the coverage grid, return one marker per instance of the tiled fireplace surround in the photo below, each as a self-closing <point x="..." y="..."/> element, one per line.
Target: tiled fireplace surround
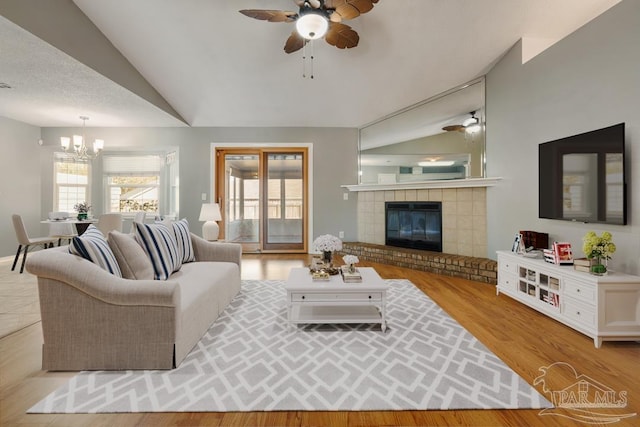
<point x="464" y="232"/>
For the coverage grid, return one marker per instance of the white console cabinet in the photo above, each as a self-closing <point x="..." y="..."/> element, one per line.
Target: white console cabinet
<point x="605" y="308"/>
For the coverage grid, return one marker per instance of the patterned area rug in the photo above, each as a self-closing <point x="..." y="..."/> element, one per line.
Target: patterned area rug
<point x="250" y="361"/>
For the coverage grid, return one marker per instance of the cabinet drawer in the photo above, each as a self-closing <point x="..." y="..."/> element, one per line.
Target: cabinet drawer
<point x="338" y="296"/>
<point x="507" y="281"/>
<point x="579" y="312"/>
<point x="579" y="290"/>
<point x="507" y="265"/>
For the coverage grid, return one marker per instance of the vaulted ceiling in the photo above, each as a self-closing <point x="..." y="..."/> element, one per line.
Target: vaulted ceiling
<point x="202" y="63"/>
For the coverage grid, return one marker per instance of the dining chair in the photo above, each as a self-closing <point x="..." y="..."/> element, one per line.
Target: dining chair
<point x="25" y="241"/>
<point x="139" y="218"/>
<point x="109" y="222"/>
<point x="61" y="230"/>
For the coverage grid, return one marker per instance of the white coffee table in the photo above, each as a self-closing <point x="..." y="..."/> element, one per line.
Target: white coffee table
<point x="334" y="301"/>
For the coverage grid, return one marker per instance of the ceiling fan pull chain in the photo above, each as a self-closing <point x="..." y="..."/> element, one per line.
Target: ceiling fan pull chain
<point x="312" y="55"/>
<point x="304" y="60"/>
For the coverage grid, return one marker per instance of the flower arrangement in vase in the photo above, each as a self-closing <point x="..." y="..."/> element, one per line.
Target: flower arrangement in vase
<point x="83" y="210"/>
<point x="598" y="249"/>
<point x="327" y="244"/>
<point x="351" y="261"/>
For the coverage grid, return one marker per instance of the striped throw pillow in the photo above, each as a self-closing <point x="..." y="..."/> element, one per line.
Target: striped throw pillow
<point x="159" y="243"/>
<point x="183" y="238"/>
<point x="92" y="246"/>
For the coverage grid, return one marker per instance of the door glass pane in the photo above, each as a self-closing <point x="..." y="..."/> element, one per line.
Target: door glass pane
<point x="242" y="203"/>
<point x="284" y="201"/>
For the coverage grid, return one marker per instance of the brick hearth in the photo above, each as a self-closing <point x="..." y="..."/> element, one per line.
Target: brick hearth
<point x="472" y="268"/>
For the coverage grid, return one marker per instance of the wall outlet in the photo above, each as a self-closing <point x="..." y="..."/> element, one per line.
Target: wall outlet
<point x="345" y="196"/>
<point x="204" y="197"/>
<point x="341" y="234"/>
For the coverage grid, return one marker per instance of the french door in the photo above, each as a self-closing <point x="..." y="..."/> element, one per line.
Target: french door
<point x="263" y="196"/>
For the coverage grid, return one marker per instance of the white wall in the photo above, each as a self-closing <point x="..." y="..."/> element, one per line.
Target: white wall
<point x="587" y="81"/>
<point x="20" y="181"/>
<point x="334" y="153"/>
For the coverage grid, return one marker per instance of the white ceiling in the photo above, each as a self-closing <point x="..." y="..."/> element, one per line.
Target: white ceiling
<point x="217" y="67"/>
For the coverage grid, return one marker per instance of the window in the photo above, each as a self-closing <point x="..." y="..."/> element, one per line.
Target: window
<point x="137" y="193"/>
<point x="71" y="182"/>
<point x="140" y="182"/>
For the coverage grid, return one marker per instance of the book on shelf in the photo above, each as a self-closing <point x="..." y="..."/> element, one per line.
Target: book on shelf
<point x="582" y="261"/>
<point x="552" y="299"/>
<point x="563" y="252"/>
<point x="350" y="276"/>
<point x="549" y="255"/>
<point x="582" y="264"/>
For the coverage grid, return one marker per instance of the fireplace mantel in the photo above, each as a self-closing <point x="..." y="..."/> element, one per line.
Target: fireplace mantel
<point x="419" y="185"/>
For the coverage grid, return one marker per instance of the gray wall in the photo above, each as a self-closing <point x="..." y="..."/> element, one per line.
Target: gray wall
<point x="20" y="178"/>
<point x="587" y="81"/>
<point x="335" y="164"/>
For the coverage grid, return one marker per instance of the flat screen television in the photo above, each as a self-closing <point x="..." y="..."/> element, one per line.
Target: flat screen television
<point x="582" y="177"/>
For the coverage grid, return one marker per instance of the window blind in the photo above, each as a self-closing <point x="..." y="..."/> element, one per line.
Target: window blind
<point x="132" y="164"/>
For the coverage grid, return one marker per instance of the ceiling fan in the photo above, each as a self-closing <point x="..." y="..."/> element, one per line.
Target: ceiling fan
<point x="316" y="19"/>
<point x="469" y="125"/>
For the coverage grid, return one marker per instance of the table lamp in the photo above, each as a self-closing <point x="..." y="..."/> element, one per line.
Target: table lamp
<point x="210" y="213"/>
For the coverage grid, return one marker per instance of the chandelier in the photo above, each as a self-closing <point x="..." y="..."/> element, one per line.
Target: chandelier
<point x="80" y="149"/>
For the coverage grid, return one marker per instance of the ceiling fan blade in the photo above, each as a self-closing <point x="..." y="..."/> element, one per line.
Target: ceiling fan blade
<point x="335" y="17"/>
<point x="341" y="36"/>
<point x="294" y="42"/>
<point x="453" y="128"/>
<point x="270" y="15"/>
<point x="349" y="9"/>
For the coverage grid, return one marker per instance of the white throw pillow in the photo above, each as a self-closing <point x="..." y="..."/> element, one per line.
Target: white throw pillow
<point x="183" y="238"/>
<point x="92" y="246"/>
<point x="159" y="243"/>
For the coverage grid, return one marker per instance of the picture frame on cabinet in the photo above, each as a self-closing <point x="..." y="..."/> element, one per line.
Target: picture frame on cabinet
<point x="518" y="244"/>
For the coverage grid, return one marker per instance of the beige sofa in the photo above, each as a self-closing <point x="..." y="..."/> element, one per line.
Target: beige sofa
<point x="93" y="320"/>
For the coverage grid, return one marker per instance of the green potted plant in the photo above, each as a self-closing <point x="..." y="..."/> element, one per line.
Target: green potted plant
<point x="83" y="210"/>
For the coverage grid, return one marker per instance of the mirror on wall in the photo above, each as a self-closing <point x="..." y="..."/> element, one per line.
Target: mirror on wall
<point x="433" y="140"/>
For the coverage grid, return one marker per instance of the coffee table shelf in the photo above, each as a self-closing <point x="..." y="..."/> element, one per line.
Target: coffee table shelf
<point x="334" y="301"/>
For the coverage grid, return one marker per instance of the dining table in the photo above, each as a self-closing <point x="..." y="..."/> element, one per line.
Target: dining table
<point x="81" y="225"/>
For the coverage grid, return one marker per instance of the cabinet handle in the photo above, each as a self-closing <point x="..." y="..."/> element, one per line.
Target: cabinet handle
<point x="369" y="296"/>
<point x="578" y="290"/>
<point x="578" y="313"/>
<point x="302" y="296"/>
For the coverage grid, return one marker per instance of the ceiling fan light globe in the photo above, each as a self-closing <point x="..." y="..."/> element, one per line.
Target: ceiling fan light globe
<point x="469" y="121"/>
<point x="312" y="26"/>
<point x="473" y="128"/>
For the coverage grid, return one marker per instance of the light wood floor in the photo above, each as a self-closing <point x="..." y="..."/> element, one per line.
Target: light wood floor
<point x="521" y="337"/>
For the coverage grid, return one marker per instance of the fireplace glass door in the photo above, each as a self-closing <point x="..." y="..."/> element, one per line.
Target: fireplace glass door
<point x="416" y="225"/>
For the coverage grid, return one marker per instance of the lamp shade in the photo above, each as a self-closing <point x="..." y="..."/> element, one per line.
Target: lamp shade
<point x="210" y="212"/>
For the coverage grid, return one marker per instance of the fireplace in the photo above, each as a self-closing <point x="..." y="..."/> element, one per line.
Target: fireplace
<point x="415" y="225"/>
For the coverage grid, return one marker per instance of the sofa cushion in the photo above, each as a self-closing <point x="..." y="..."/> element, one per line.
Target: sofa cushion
<point x="159" y="243"/>
<point x="132" y="259"/>
<point x="183" y="238"/>
<point x="92" y="245"/>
